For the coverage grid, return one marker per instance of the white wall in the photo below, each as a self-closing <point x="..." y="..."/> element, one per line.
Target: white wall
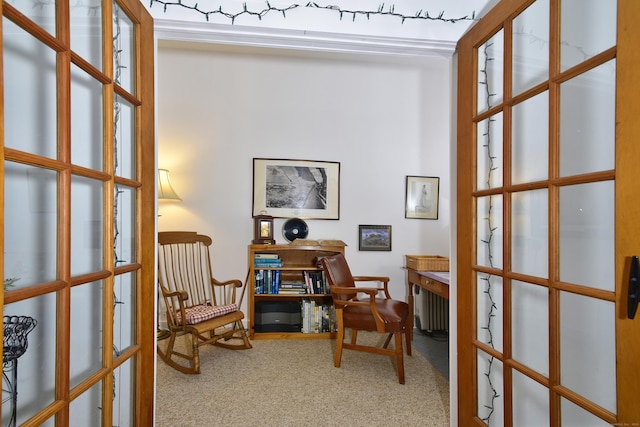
<point x="381" y="117"/>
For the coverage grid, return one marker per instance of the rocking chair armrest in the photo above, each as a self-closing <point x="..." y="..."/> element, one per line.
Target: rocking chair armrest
<point x="181" y="295"/>
<point x="235" y="282"/>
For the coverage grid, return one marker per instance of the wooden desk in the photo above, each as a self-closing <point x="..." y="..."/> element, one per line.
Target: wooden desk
<point x="432" y="281"/>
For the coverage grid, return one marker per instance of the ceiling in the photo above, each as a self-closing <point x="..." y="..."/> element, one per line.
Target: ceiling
<point x="411" y="27"/>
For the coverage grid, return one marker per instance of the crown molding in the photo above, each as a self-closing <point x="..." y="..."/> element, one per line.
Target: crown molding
<point x="175" y="30"/>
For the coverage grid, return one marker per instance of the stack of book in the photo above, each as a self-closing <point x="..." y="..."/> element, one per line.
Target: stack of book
<point x="267" y="279"/>
<point x="267" y="260"/>
<point x="317" y="318"/>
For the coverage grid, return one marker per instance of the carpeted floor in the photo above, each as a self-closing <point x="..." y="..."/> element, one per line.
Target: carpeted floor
<point x="294" y="383"/>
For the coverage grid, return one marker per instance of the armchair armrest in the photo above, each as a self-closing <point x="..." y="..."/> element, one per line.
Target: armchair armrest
<point x="383" y="279"/>
<point x="372" y="292"/>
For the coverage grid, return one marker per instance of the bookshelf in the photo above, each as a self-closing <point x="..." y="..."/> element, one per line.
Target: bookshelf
<point x="279" y="292"/>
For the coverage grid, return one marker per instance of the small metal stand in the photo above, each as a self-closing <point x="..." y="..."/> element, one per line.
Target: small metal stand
<point x="14" y="345"/>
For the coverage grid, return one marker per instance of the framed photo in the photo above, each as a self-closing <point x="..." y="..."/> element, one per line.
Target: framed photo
<point x="422" y="197"/>
<point x="296" y="188"/>
<point x="374" y="238"/>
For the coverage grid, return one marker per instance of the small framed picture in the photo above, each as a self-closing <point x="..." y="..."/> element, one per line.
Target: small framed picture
<point x="374" y="238"/>
<point x="422" y="197"/>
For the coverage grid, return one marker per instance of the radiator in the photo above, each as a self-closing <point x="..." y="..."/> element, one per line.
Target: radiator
<point x="431" y="311"/>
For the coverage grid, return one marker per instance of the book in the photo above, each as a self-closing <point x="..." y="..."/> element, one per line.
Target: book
<point x="266" y="256"/>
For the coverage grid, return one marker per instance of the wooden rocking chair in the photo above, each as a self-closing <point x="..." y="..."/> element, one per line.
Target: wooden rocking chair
<point x="196" y="304"/>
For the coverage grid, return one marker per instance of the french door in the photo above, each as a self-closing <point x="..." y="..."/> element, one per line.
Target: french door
<point x="78" y="213"/>
<point x="549" y="214"/>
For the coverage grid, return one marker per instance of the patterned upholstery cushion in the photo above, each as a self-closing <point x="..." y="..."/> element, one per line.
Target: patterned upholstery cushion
<point x="200" y="313"/>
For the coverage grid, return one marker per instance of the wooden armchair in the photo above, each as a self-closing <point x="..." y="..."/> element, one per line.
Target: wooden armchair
<point x="196" y="304"/>
<point x="374" y="312"/>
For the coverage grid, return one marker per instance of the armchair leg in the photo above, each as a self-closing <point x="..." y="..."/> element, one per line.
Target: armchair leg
<point x="399" y="357"/>
<point x="339" y="342"/>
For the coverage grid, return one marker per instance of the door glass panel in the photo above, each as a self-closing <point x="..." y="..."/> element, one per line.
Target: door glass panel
<point x="574" y="416"/>
<point x="529" y="232"/>
<point x="124" y="312"/>
<point x="489" y="149"/>
<point x="124" y="394"/>
<point x="30" y="84"/>
<point x="87" y="225"/>
<point x="124" y="64"/>
<point x="530" y="147"/>
<point x="530" y="402"/>
<point x="29" y="225"/>
<point x="531" y="47"/>
<point x="490" y="310"/>
<point x="86" y="31"/>
<point x="587" y="244"/>
<point x="588" y="27"/>
<point x="490" y="229"/>
<point x="86" y="331"/>
<point x="124" y="131"/>
<point x="42" y="13"/>
<point x="124" y="246"/>
<point x="86" y="120"/>
<point x="86" y="408"/>
<point x="491" y="72"/>
<point x="490" y="389"/>
<point x="36" y="368"/>
<point x="587" y="344"/>
<point x="587" y="121"/>
<point x="530" y="325"/>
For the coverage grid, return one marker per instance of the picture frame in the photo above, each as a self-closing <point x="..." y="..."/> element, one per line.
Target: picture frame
<point x="286" y="188"/>
<point x="374" y="237"/>
<point x="422" y="197"/>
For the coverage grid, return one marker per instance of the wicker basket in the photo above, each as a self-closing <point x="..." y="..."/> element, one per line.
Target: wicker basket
<point x="427" y="262"/>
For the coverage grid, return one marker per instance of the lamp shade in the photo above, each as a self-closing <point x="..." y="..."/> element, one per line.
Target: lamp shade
<point x="165" y="191"/>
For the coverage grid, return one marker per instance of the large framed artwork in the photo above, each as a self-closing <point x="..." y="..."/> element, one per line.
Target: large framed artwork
<point x="285" y="188"/>
<point x="422" y="197"/>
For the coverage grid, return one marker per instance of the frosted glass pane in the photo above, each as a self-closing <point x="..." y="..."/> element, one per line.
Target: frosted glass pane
<point x="530" y="402"/>
<point x="124" y="394"/>
<point x="491" y="72"/>
<point x="575" y="416"/>
<point x="42" y="13"/>
<point x="30" y="224"/>
<point x="490" y="231"/>
<point x="124" y="312"/>
<point x="86" y="31"/>
<point x="587" y="244"/>
<point x="86" y="331"/>
<point x="29" y="92"/>
<point x="489" y="149"/>
<point x="531" y="47"/>
<point x="587" y="121"/>
<point x="530" y="134"/>
<point x="587" y="341"/>
<point x="86" y="225"/>
<point x="588" y="27"/>
<point x="490" y="377"/>
<point x="530" y="325"/>
<point x="36" y="366"/>
<point x="529" y="233"/>
<point x="124" y="60"/>
<point x="86" y="408"/>
<point x="86" y="120"/>
<point x="125" y="139"/>
<point x="124" y="246"/>
<point x="490" y="310"/>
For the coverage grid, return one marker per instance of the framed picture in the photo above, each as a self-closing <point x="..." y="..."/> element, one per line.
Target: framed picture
<point x="374" y="238"/>
<point x="296" y="188"/>
<point x="422" y="197"/>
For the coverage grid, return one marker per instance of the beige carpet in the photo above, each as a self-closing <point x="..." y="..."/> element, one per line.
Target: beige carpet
<point x="294" y="383"/>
